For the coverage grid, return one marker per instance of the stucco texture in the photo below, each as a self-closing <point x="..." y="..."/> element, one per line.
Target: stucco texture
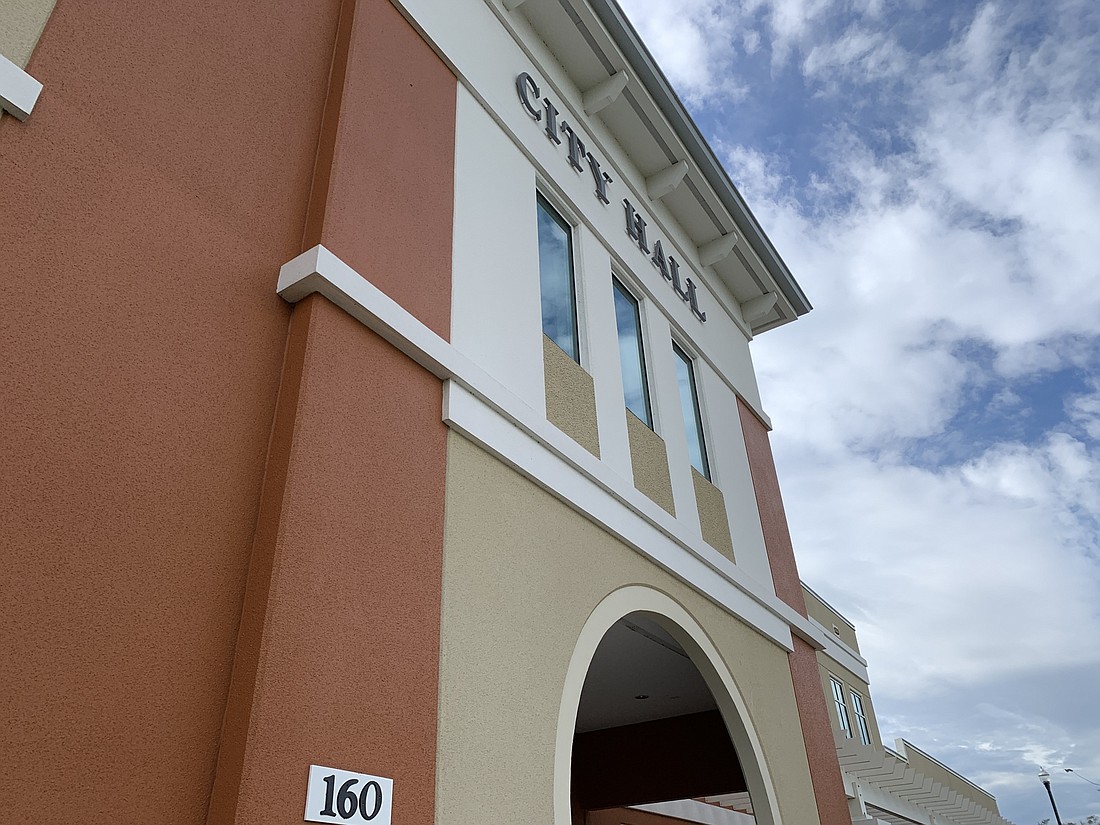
<point x="346" y="584"/>
<point x="522" y="573"/>
<point x="812" y="710"/>
<point x="21" y="23"/>
<point x="713" y="520"/>
<point x="828" y="666"/>
<point x="829" y="618"/>
<point x="165" y="175"/>
<point x="570" y="397"/>
<point x="649" y="461"/>
<point x="151" y="198"/>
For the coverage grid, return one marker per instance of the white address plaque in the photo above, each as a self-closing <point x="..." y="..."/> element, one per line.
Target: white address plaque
<point x="342" y="796"/>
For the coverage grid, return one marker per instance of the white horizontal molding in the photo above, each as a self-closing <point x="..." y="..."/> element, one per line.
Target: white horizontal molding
<point x="487" y="412"/>
<point x="621" y="512"/>
<point x="840" y="653"/>
<point x="18" y="90"/>
<point x="605" y="93"/>
<point x="691" y="810"/>
<point x="663" y="183"/>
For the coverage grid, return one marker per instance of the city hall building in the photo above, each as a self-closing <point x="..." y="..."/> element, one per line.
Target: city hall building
<point x="381" y="439"/>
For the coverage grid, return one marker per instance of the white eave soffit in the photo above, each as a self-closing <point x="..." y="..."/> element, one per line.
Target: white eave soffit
<point x="717" y="217"/>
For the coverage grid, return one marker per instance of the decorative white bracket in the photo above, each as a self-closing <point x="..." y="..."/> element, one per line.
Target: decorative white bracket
<point x="18" y="90"/>
<point x="756" y="308"/>
<point x="717" y="250"/>
<point x="604" y="93"/>
<point x="665" y="182"/>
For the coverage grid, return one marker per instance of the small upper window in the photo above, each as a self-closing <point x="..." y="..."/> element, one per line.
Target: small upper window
<point x="628" y="321"/>
<point x="559" y="297"/>
<point x="689" y="404"/>
<point x="861" y="719"/>
<point x="841" y="707"/>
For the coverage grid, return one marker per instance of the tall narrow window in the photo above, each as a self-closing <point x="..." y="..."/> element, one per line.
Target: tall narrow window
<point x="841" y="707"/>
<point x="559" y="299"/>
<point x="689" y="404"/>
<point x="861" y="719"/>
<point x="631" y="354"/>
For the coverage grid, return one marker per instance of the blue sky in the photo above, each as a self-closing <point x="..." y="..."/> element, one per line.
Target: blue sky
<point x="931" y="173"/>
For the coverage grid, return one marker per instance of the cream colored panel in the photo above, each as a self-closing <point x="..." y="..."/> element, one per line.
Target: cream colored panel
<point x="830" y="619"/>
<point x="712" y="515"/>
<point x="650" y="463"/>
<point x="851" y="682"/>
<point x="21" y="24"/>
<point x="570" y="397"/>
<point x="522" y="573"/>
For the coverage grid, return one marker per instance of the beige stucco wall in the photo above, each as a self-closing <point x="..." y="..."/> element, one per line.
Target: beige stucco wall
<point x="830" y="618"/>
<point x="570" y="397"/>
<point x="649" y="461"/>
<point x="21" y="24"/>
<point x="522" y="573"/>
<point x="851" y="682"/>
<point x="713" y="521"/>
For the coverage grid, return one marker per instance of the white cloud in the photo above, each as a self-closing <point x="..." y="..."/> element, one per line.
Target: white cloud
<point x="1084" y="410"/>
<point x="859" y="55"/>
<point x="966" y="260"/>
<point x="693" y="41"/>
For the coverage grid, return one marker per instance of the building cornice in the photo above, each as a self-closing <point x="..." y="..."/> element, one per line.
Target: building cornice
<point x="651" y="77"/>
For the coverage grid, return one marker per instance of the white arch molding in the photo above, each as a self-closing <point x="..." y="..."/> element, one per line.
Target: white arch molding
<point x="706" y="658"/>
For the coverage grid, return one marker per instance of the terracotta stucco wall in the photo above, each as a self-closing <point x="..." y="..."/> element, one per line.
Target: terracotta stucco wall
<point x="337" y="663"/>
<point x="814" y="715"/>
<point x="165" y="175"/>
<point x="146" y="205"/>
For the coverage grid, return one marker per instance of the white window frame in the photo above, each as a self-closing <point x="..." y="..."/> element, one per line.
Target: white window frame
<point x="569" y="220"/>
<point x="861" y="717"/>
<point x="643" y="342"/>
<point x="841" y="706"/>
<point x="699" y="404"/>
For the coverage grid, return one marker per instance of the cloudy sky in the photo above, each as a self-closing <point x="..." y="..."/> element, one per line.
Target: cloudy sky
<point x="930" y="171"/>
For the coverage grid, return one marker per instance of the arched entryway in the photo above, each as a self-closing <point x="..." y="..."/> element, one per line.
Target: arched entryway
<point x="651" y="715"/>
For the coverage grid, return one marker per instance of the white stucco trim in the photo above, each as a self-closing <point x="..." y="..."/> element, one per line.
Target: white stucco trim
<point x="705" y="657"/>
<point x="691" y="810"/>
<point x="18" y="90"/>
<point x="843" y="655"/>
<point x="486" y="411"/>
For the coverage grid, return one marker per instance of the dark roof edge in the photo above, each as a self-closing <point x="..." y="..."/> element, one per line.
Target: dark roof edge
<point x="654" y="80"/>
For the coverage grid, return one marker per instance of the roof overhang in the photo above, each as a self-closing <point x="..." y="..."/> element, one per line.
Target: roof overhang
<point x="593" y="41"/>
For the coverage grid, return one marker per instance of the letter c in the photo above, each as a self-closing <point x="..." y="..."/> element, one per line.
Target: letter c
<point x="525" y="87"/>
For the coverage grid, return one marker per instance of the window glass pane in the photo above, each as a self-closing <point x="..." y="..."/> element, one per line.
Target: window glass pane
<point x="861" y="719"/>
<point x="689" y="405"/>
<point x="841" y="708"/>
<point x="559" y="306"/>
<point x="631" y="356"/>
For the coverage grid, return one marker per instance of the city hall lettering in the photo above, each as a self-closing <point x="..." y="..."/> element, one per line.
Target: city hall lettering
<point x="579" y="158"/>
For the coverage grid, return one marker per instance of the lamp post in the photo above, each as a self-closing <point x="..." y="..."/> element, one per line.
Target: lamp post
<point x="1044" y="777"/>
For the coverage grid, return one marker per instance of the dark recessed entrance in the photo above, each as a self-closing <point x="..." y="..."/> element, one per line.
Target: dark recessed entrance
<point x="648" y="727"/>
